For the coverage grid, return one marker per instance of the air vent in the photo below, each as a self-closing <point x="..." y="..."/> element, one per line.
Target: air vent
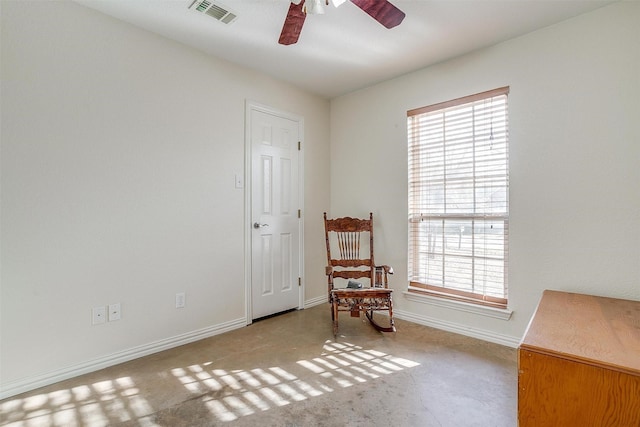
<point x="215" y="10"/>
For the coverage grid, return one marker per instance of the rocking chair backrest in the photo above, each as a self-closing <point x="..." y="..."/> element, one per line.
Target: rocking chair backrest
<point x="346" y="234"/>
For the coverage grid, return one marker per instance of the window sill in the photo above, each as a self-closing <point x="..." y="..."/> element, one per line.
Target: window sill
<point x="497" y="313"/>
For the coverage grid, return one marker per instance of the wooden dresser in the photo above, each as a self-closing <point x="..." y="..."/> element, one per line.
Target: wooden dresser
<point x="579" y="363"/>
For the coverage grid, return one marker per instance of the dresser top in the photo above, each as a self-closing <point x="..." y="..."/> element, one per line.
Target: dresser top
<point x="595" y="330"/>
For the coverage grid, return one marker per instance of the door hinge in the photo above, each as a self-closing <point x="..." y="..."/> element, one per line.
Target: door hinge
<point x="299" y="281"/>
<point x="299" y="145"/>
<point x="299" y="213"/>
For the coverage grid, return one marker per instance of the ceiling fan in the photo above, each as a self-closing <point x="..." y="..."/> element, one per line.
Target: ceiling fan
<point x="381" y="10"/>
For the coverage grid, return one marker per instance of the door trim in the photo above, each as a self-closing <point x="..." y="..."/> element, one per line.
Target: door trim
<point x="255" y="106"/>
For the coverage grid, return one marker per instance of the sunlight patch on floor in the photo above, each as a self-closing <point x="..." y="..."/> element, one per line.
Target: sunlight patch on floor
<point x="99" y="404"/>
<point x="229" y="395"/>
<point x="226" y="394"/>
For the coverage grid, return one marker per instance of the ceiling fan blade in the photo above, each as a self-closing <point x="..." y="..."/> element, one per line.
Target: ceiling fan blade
<point x="292" y="24"/>
<point x="382" y="11"/>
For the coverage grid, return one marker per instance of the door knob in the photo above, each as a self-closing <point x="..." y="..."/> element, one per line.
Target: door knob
<point x="258" y="225"/>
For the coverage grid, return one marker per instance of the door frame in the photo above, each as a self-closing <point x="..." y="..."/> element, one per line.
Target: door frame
<point x="250" y="106"/>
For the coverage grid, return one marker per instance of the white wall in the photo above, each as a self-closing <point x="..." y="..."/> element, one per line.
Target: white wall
<point x="119" y="150"/>
<point x="574" y="162"/>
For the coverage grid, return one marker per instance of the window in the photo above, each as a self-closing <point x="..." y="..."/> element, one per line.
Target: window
<point x="459" y="198"/>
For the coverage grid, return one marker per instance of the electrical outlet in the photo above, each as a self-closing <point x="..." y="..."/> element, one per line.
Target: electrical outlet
<point x="98" y="315"/>
<point x="239" y="181"/>
<point x="180" y="300"/>
<point x="114" y="312"/>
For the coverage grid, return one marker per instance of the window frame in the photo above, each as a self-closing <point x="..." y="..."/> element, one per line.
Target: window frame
<point x="442" y="290"/>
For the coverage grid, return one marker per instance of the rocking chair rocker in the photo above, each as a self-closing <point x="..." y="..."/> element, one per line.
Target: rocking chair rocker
<point x="343" y="237"/>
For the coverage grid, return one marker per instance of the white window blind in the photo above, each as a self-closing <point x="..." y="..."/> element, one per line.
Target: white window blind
<point x="459" y="198"/>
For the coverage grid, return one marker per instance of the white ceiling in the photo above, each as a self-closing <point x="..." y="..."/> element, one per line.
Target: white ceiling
<point x="344" y="49"/>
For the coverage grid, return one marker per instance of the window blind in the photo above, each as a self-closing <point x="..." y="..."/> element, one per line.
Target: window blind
<point x="459" y="198"/>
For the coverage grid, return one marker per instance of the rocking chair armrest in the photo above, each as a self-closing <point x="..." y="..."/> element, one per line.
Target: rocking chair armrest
<point x="387" y="269"/>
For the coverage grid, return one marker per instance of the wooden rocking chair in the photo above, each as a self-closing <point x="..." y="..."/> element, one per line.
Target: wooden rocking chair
<point x="343" y="237"/>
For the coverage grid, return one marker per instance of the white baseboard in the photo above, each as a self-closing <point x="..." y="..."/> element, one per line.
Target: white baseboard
<point x="22" y="385"/>
<point x="315" y="301"/>
<point x="457" y="328"/>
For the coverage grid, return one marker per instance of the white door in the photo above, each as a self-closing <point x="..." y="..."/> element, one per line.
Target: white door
<point x="275" y="222"/>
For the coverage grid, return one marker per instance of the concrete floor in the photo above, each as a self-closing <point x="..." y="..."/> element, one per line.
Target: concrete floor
<point x="289" y="371"/>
